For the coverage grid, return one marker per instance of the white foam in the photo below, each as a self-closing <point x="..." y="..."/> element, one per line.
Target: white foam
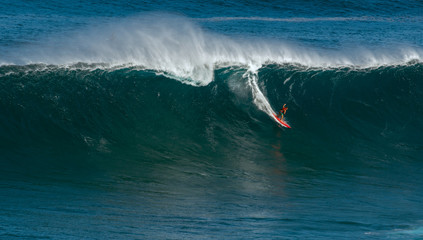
<point x="258" y="97"/>
<point x="176" y="46"/>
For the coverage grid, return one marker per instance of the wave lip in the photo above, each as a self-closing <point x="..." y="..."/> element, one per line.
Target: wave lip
<point x="178" y="47"/>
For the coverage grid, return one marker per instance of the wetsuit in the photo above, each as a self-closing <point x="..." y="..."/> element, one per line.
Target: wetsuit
<point x="282" y="112"/>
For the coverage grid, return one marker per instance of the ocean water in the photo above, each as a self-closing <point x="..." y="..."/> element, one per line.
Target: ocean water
<point x="153" y="120"/>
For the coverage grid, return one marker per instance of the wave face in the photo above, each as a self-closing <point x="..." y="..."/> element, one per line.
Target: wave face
<point x="80" y="108"/>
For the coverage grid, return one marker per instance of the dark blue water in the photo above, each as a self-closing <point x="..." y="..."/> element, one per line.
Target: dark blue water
<point x="145" y="120"/>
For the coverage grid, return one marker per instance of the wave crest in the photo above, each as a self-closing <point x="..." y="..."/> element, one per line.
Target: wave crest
<point x="175" y="45"/>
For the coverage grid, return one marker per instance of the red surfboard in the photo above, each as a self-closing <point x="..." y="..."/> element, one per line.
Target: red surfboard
<point x="281" y="122"/>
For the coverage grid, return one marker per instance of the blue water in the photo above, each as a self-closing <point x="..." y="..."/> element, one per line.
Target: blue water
<point x="153" y="120"/>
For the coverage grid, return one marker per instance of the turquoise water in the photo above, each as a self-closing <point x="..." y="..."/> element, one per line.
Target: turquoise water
<point x="144" y="120"/>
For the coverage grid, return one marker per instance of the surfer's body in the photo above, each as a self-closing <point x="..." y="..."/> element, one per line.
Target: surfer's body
<point x="282" y="112"/>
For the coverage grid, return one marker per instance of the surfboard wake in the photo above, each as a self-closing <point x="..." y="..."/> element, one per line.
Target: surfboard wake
<point x="259" y="99"/>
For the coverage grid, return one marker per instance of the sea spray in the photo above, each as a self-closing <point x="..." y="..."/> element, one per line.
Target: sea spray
<point x="178" y="47"/>
<point x="259" y="99"/>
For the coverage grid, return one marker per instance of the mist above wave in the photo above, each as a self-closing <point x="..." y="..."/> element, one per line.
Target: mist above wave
<point x="177" y="46"/>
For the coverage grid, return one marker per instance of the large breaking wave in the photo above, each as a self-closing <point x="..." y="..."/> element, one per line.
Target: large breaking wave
<point x="171" y="88"/>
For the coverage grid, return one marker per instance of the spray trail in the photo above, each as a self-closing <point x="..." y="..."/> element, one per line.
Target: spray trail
<point x="258" y="97"/>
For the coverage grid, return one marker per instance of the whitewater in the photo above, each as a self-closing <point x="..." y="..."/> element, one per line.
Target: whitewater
<point x="177" y="46"/>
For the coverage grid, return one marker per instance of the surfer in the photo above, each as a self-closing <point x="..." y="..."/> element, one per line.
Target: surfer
<point x="282" y="112"/>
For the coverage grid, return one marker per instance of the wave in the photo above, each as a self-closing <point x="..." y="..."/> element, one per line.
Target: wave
<point x="170" y="88"/>
<point x="85" y="107"/>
